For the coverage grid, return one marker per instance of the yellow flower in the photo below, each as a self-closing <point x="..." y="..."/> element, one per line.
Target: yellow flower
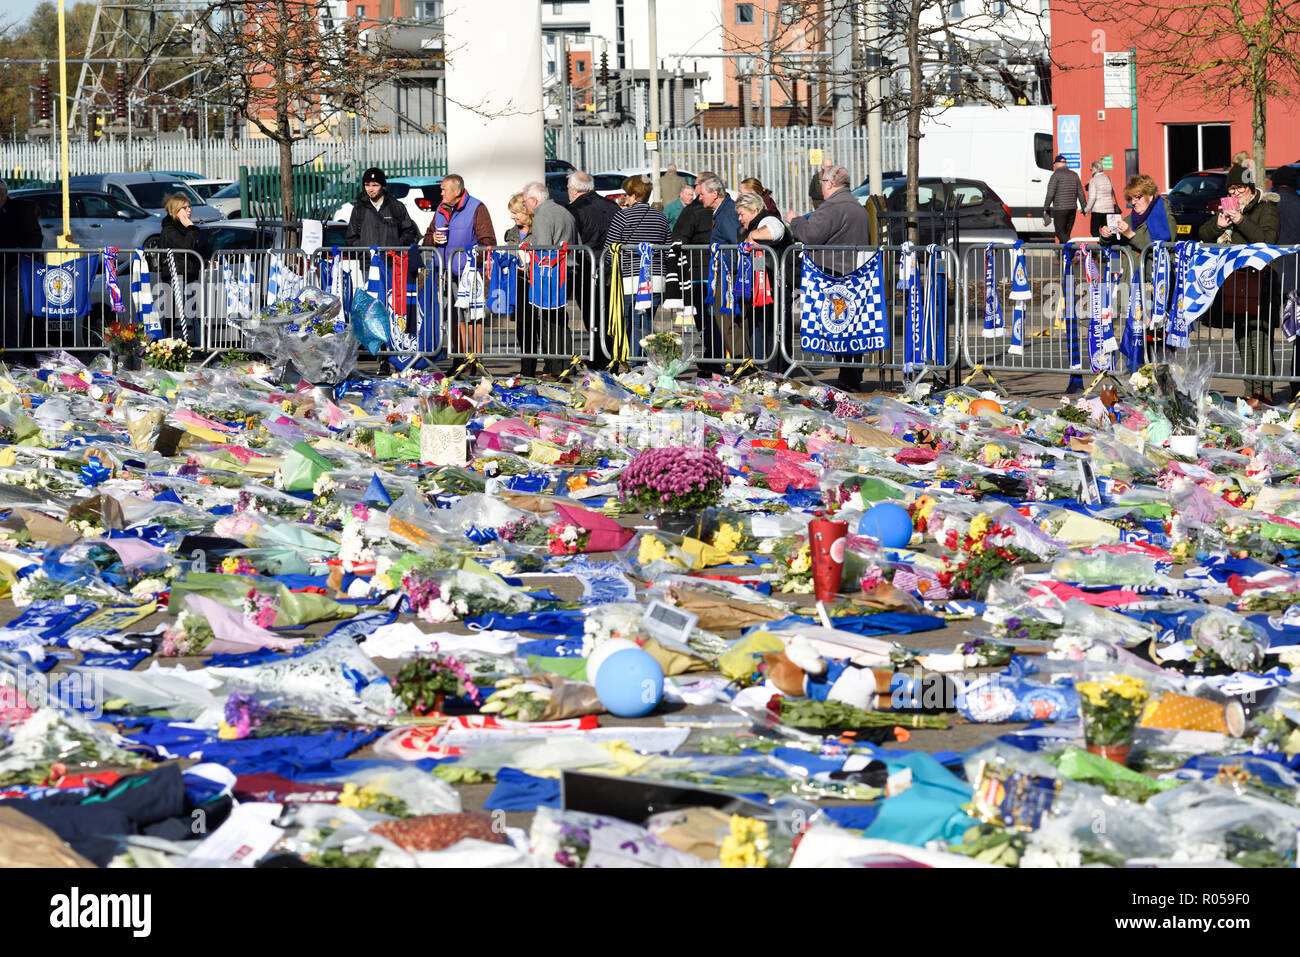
<point x="226" y="733"/>
<point x="727" y="538"/>
<point x="651" y="549"/>
<point x="979" y="525"/>
<point x="802" y="562"/>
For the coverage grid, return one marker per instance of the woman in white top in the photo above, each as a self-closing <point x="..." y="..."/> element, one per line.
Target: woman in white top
<point x="752" y="324"/>
<point x="1101" y="199"/>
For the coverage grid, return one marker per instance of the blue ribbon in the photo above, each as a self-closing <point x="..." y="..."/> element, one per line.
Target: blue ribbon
<point x="95" y="472"/>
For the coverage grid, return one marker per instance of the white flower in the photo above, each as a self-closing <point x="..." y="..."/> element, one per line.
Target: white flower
<point x="1050" y="856"/>
<point x="767" y="546"/>
<point x="324" y="485"/>
<point x="148" y="588"/>
<point x="20" y="592"/>
<point x="437" y="611"/>
<point x="504" y="566"/>
<point x="277" y="480"/>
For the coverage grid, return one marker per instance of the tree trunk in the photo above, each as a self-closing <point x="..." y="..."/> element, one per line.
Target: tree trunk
<point x="915" y="104"/>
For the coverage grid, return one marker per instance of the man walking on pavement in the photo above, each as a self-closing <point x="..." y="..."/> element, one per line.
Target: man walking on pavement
<point x="1065" y="198"/>
<point x="592" y="214"/>
<point x="553" y="226"/>
<point x="839" y="221"/>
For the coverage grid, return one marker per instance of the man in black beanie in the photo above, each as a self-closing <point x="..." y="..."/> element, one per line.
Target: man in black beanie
<point x="378" y="219"/>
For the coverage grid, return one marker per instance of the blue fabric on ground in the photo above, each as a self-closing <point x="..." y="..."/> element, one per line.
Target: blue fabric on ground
<point x="550" y="647"/>
<point x="854" y="817"/>
<point x="881" y="623"/>
<point x="930" y="808"/>
<point x="814" y="763"/>
<point x="122" y="660"/>
<point x="567" y="623"/>
<point x="517" y="791"/>
<point x="1278" y="635"/>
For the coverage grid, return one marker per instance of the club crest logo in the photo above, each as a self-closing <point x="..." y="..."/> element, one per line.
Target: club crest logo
<point x="839" y="309"/>
<point x="59" y="286"/>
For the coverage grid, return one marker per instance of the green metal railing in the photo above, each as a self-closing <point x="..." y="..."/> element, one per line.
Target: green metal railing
<point x="318" y="191"/>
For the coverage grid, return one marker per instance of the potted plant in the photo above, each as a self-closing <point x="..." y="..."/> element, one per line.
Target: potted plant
<point x="1111" y="708"/>
<point x="673" y="483"/>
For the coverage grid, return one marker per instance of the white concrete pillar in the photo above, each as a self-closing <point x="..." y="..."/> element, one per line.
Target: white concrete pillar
<point x="494" y="99"/>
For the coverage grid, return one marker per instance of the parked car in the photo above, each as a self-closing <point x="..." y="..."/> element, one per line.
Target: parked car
<point x="559" y="166"/>
<point x="147" y="190"/>
<point x="1196" y="197"/>
<point x="610" y="183"/>
<point x="207" y="187"/>
<point x="419" y="194"/>
<point x="981" y="216"/>
<point x="227" y="200"/>
<point x="97" y="219"/>
<point x="258" y="234"/>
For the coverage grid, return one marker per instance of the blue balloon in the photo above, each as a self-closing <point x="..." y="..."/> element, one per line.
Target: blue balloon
<point x="888" y="523"/>
<point x="630" y="683"/>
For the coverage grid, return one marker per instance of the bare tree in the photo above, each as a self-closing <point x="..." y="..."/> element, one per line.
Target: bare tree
<point x="1214" y="52"/>
<point x="289" y="69"/>
<point x="931" y="54"/>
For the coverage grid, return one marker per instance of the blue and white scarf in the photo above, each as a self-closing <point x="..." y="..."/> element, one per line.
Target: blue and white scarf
<point x="375" y="277"/>
<point x="110" y="279"/>
<point x="644" y="298"/>
<point x="282" y="284"/>
<point x="1178" y="335"/>
<point x="1101" y="334"/>
<point x="719" y="291"/>
<point x="909" y="282"/>
<point x="142" y="296"/>
<point x="993" y="327"/>
<point x="1160" y="287"/>
<point x="1133" y="346"/>
<point x="1020" y="294"/>
<point x="239" y="293"/>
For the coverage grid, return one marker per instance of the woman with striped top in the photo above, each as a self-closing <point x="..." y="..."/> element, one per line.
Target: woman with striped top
<point x="638" y="222"/>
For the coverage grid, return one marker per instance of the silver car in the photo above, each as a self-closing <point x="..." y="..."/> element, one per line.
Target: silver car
<point x="147" y="190"/>
<point x="97" y="219"/>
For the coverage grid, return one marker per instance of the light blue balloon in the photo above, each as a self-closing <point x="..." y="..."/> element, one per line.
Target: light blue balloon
<point x="888" y="523"/>
<point x="630" y="683"/>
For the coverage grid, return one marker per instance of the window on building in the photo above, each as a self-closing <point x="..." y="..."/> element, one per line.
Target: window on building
<point x="744" y="13"/>
<point x="957" y="9"/>
<point x="361" y="13"/>
<point x="744" y="66"/>
<point x="550" y="67"/>
<point x="791" y="13"/>
<point x="581" y="66"/>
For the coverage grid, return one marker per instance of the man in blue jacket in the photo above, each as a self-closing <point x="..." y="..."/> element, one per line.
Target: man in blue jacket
<point x="712" y="192"/>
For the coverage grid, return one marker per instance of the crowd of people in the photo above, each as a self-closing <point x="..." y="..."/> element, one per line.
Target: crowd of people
<point x="695" y="214"/>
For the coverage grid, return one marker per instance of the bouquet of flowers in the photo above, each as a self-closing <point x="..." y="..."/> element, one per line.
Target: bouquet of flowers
<point x="124" y="338"/>
<point x="168" y="354"/>
<point x="188" y="635"/>
<point x="565" y="538"/>
<point x="446" y="408"/>
<point x="1111" y="708"/>
<point x="424" y="681"/>
<point x="310" y="331"/>
<point x="673" y="479"/>
<point x="1221" y="638"/>
<point x="664" y="350"/>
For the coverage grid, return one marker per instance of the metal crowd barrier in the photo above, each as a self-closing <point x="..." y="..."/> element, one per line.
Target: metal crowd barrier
<point x="236" y="286"/>
<point x="43" y="290"/>
<point x="893" y="342"/>
<point x="1054" y="338"/>
<point x="1242" y="330"/>
<point x="715" y="316"/>
<point x="520" y="304"/>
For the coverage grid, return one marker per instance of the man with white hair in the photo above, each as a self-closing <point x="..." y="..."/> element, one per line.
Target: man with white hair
<point x="20" y="228"/>
<point x="553" y="226"/>
<point x="592" y="214"/>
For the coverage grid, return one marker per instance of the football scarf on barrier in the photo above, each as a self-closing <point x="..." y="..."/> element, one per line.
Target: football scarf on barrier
<point x="239" y="293"/>
<point x="1160" y="287"/>
<point x="1178" y="335"/>
<point x="673" y="284"/>
<point x="844" y="314"/>
<point x="909" y="282"/>
<point x="1068" y="253"/>
<point x="405" y="343"/>
<point x="644" y="298"/>
<point x="992" y="302"/>
<point x="719" y="292"/>
<point x="178" y="295"/>
<point x="110" y="279"/>
<point x="470" y="293"/>
<point x="1209" y="266"/>
<point x="1101" y="337"/>
<point x="501" y="282"/>
<point x="142" y="296"/>
<point x="751" y="278"/>
<point x="1133" y="345"/>
<point x="1020" y="295"/>
<point x="619" y="349"/>
<point x="935" y="346"/>
<point x="547" y="289"/>
<point x="282" y="284"/>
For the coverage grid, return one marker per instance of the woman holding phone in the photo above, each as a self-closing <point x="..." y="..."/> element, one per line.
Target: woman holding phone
<point x="1249" y="298"/>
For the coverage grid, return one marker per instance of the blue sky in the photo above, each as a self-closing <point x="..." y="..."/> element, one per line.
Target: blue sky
<point x="17" y="11"/>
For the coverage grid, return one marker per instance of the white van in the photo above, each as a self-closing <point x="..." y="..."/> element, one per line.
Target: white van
<point x="1010" y="148"/>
